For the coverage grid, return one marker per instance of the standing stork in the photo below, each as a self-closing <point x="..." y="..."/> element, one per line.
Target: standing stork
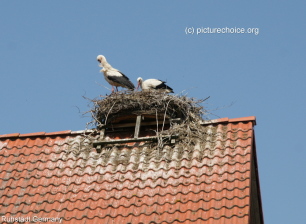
<point x="113" y="76"/>
<point x="153" y="84"/>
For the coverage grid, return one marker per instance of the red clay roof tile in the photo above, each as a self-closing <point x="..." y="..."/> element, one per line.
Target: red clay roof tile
<point x="59" y="133"/>
<point x="13" y="135"/>
<point x="32" y="134"/>
<point x="56" y="175"/>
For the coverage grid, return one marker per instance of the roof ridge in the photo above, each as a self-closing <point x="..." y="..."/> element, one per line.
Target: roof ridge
<point x="230" y="120"/>
<point x="67" y="132"/>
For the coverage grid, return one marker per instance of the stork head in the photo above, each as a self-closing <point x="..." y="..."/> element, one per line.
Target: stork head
<point x="100" y="58"/>
<point x="139" y="81"/>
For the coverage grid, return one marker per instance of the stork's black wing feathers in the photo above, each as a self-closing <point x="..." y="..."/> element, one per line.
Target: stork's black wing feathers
<point x="124" y="80"/>
<point x="164" y="86"/>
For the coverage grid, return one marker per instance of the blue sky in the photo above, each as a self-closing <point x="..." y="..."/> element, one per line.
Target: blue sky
<point x="48" y="62"/>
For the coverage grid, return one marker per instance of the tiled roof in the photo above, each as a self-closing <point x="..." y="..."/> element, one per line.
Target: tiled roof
<point x="60" y="175"/>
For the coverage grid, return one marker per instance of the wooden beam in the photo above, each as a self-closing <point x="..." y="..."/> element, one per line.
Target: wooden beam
<point x="141" y="139"/>
<point x="147" y="123"/>
<point x="102" y="133"/>
<point x="137" y="127"/>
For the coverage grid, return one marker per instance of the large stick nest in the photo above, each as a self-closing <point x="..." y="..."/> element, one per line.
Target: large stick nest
<point x="117" y="104"/>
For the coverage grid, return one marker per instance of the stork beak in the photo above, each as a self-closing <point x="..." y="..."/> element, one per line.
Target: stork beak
<point x="138" y="86"/>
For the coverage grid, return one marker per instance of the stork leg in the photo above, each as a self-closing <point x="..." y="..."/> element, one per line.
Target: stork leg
<point x="113" y="89"/>
<point x="117" y="88"/>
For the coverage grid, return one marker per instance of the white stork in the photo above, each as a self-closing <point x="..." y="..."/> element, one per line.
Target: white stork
<point x="113" y="76"/>
<point x="153" y="84"/>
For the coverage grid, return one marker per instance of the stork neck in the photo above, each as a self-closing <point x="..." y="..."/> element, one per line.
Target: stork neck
<point x="106" y="64"/>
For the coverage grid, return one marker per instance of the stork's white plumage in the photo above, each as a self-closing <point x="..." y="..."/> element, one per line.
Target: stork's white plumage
<point x="113" y="76"/>
<point x="153" y="84"/>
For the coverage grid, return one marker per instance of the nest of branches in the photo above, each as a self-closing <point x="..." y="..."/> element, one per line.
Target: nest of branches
<point x="107" y="108"/>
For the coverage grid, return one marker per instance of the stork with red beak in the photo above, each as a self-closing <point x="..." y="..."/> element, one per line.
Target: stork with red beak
<point x="153" y="84"/>
<point x="113" y="76"/>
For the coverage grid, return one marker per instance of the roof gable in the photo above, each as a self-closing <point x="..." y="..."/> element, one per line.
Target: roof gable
<point x="61" y="175"/>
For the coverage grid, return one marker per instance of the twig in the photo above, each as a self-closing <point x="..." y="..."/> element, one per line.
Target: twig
<point x="103" y="86"/>
<point x="108" y="113"/>
<point x="165" y="115"/>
